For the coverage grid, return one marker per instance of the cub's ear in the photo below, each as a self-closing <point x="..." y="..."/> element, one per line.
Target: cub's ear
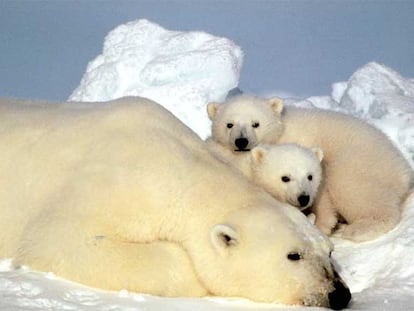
<point x="318" y="152"/>
<point x="224" y="237"/>
<point x="258" y="154"/>
<point x="212" y="110"/>
<point x="276" y="104"/>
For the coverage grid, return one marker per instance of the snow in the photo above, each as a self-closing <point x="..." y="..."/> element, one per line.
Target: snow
<point x="185" y="70"/>
<point x="173" y="68"/>
<point x="383" y="98"/>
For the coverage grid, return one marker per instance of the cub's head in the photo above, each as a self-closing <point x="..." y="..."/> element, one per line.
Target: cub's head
<point x="260" y="254"/>
<point x="245" y="121"/>
<point x="289" y="172"/>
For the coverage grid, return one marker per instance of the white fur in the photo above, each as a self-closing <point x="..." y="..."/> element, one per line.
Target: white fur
<point x="123" y="195"/>
<point x="269" y="165"/>
<point x="365" y="177"/>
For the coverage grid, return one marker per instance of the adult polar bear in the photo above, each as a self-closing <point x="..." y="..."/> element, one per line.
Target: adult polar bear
<point x="85" y="185"/>
<point x="365" y="177"/>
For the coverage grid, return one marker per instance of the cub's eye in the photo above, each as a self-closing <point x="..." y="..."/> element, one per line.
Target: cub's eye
<point x="310" y="177"/>
<point x="294" y="256"/>
<point x="229" y="125"/>
<point x="255" y="124"/>
<point x="285" y="179"/>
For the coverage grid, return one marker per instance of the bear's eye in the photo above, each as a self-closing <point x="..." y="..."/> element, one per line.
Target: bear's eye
<point x="255" y="124"/>
<point x="310" y="177"/>
<point x="229" y="125"/>
<point x="294" y="256"/>
<point x="285" y="179"/>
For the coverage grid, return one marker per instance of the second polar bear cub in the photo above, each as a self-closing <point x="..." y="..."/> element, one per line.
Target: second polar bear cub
<point x="289" y="172"/>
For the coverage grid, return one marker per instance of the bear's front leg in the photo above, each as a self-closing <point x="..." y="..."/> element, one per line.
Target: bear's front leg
<point x="157" y="268"/>
<point x="325" y="213"/>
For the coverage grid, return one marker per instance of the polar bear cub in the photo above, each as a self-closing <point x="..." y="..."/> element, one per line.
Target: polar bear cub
<point x="289" y="172"/>
<point x="366" y="179"/>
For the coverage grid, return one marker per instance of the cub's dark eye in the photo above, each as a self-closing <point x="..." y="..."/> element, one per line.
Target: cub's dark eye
<point x="294" y="256"/>
<point x="255" y="124"/>
<point x="229" y="125"/>
<point x="285" y="179"/>
<point x="310" y="177"/>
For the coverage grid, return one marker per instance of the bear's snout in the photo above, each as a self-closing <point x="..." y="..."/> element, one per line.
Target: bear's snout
<point x="340" y="296"/>
<point x="303" y="200"/>
<point x="241" y="144"/>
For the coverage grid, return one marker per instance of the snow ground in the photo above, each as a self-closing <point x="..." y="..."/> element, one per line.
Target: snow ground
<point x="197" y="68"/>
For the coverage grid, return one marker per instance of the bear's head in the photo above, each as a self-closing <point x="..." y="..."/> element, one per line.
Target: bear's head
<point x="243" y="122"/>
<point x="273" y="257"/>
<point x="289" y="172"/>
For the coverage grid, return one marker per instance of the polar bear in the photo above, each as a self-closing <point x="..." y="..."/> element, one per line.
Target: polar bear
<point x="365" y="177"/>
<point x="289" y="172"/>
<point x="123" y="195"/>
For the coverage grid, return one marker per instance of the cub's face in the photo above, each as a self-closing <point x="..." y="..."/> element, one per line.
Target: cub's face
<point x="270" y="260"/>
<point x="289" y="172"/>
<point x="243" y="122"/>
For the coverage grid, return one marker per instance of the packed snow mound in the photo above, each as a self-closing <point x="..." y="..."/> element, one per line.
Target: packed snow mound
<point x="371" y="92"/>
<point x="380" y="96"/>
<point x="181" y="70"/>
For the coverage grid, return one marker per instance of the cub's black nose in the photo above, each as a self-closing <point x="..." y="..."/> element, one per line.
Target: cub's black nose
<point x="303" y="200"/>
<point x="340" y="296"/>
<point x="241" y="143"/>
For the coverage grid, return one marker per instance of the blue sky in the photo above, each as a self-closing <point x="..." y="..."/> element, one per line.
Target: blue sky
<point x="299" y="47"/>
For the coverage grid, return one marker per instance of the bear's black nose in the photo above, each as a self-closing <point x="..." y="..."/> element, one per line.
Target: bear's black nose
<point x="241" y="143"/>
<point x="340" y="296"/>
<point x="303" y="200"/>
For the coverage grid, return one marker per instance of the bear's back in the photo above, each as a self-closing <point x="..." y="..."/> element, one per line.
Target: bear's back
<point x="86" y="156"/>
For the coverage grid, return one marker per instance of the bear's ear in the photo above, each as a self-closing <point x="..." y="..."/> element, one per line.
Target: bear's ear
<point x="212" y="110"/>
<point x="318" y="152"/>
<point x="223" y="237"/>
<point x="276" y="104"/>
<point x="258" y="154"/>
